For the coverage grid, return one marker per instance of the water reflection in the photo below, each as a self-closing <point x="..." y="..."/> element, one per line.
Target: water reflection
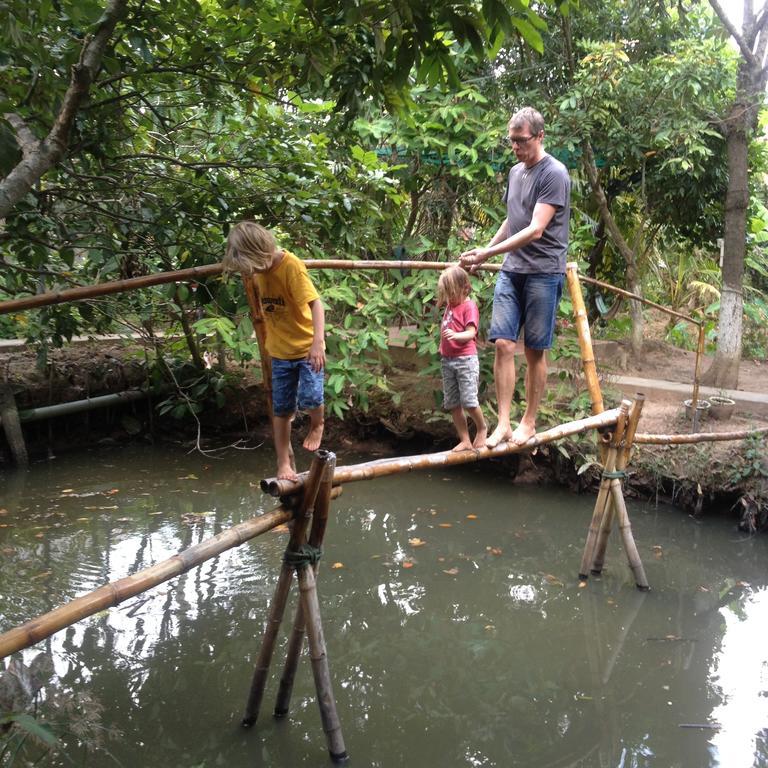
<point x="457" y="632"/>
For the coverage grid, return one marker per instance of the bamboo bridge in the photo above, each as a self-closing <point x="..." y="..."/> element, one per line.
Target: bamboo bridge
<point x="306" y="504"/>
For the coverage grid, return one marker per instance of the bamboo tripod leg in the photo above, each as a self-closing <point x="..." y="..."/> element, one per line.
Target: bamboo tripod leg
<point x="320" y="668"/>
<point x="601" y="545"/>
<point x="295" y="644"/>
<point x="602" y="506"/>
<point x="296" y="640"/>
<point x="264" y="659"/>
<point x="628" y="540"/>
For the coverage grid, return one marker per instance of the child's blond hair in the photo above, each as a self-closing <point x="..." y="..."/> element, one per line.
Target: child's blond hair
<point x="249" y="246"/>
<point x="453" y="286"/>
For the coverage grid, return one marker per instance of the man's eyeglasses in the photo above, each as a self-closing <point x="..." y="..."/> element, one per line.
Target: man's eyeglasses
<point x="519" y="140"/>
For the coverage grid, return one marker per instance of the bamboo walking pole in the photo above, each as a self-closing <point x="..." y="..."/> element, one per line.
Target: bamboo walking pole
<point x="296" y="638"/>
<point x="277" y="609"/>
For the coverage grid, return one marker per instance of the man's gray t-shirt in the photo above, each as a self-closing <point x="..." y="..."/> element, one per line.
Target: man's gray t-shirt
<point x="546" y="182"/>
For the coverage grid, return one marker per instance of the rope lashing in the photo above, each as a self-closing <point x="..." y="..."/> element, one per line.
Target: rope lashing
<point x="617" y="474"/>
<point x="303" y="556"/>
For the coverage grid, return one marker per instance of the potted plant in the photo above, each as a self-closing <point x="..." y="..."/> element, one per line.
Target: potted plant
<point x="702" y="408"/>
<point x="721" y="407"/>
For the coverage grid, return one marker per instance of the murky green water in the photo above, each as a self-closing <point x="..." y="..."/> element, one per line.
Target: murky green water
<point x="484" y="652"/>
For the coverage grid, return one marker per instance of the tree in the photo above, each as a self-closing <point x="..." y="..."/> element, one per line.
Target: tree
<point x="739" y="127"/>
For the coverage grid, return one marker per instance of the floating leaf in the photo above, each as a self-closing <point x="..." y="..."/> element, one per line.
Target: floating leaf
<point x="282" y="528"/>
<point x="582" y="584"/>
<point x="336" y="566"/>
<point x="451" y="571"/>
<point x="494" y="550"/>
<point x="416" y="542"/>
<point x="445" y="525"/>
<point x="112" y="492"/>
<point x="407" y="564"/>
<point x="3" y="511"/>
<point x="553" y="580"/>
<point x="471" y="517"/>
<point x="68" y="490"/>
<point x="188" y="477"/>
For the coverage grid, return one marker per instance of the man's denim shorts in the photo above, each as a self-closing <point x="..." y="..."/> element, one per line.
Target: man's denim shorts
<point x="528" y="300"/>
<point x="295" y="383"/>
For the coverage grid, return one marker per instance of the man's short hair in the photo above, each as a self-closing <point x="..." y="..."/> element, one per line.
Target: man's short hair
<point x="527" y="116"/>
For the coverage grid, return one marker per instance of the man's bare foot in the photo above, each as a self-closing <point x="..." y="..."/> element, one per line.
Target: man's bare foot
<point x="287" y="472"/>
<point x="464" y="445"/>
<point x="314" y="438"/>
<point x="522" y="434"/>
<point x="481" y="437"/>
<point x="499" y="435"/>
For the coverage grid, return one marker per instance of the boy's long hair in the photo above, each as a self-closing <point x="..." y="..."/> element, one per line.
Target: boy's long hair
<point x="453" y="286"/>
<point x="249" y="246"/>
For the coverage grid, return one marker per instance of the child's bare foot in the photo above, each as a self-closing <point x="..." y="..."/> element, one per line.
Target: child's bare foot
<point x="314" y="437"/>
<point x="501" y="434"/>
<point x="286" y="472"/>
<point x="464" y="445"/>
<point x="522" y="434"/>
<point x="481" y="437"/>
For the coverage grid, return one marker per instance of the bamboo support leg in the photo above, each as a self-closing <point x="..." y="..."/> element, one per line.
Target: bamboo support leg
<point x="320" y="669"/>
<point x="628" y="539"/>
<point x="598" y="561"/>
<point x="261" y="672"/>
<point x="602" y="506"/>
<point x="296" y="640"/>
<point x="298" y="538"/>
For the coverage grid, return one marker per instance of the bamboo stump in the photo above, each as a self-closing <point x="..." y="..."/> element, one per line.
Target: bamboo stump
<point x="9" y="417"/>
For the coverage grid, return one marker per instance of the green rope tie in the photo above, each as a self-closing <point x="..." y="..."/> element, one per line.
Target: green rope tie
<point x="617" y="474"/>
<point x="303" y="556"/>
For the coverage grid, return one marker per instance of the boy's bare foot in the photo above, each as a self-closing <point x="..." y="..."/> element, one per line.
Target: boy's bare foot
<point x="522" y="434"/>
<point x="287" y="472"/>
<point x="464" y="445"/>
<point x="481" y="437"/>
<point x="499" y="435"/>
<point x="314" y="438"/>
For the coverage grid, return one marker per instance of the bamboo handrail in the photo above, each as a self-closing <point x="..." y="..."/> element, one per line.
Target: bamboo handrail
<point x="83" y="292"/>
<point x="116" y="592"/>
<point x="383" y="467"/>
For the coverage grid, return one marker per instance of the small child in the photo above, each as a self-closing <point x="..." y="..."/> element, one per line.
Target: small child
<point x="295" y="324"/>
<point x="458" y="354"/>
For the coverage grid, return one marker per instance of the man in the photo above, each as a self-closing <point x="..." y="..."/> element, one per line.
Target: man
<point x="534" y="237"/>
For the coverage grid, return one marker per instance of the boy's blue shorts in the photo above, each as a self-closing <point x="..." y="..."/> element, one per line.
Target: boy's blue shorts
<point x="295" y="383"/>
<point x="528" y="300"/>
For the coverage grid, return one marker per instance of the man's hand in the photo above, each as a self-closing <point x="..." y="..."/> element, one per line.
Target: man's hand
<point x="472" y="259"/>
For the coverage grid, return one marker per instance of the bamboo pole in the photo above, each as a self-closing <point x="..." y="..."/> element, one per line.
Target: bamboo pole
<point x="83" y="292"/>
<point x="320" y="668"/>
<point x="617" y="506"/>
<point x="699" y="437"/>
<point x="585" y="338"/>
<point x="117" y="591"/>
<point x="277" y="608"/>
<point x="398" y="465"/>
<point x="296" y="638"/>
<point x="9" y="418"/>
<point x="601" y="504"/>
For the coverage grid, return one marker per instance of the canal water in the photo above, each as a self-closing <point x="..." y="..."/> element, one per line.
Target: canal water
<point x="457" y="631"/>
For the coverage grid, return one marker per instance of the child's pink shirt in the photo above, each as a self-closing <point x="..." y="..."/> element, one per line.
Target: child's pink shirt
<point x="459" y="318"/>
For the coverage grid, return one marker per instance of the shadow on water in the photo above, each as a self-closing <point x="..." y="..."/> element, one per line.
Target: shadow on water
<point x="457" y="632"/>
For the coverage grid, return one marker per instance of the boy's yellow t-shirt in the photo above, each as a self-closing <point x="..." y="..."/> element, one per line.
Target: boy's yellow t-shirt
<point x="285" y="295"/>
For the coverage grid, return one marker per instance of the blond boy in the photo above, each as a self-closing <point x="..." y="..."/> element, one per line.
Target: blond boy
<point x="295" y="323"/>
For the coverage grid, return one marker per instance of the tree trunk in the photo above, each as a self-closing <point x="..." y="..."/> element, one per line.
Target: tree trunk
<point x="627" y="253"/>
